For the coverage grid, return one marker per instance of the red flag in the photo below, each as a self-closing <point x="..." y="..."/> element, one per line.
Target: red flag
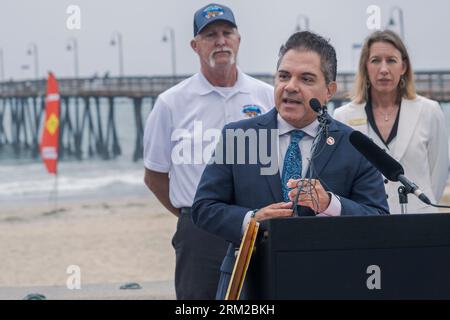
<point x="50" y="134"/>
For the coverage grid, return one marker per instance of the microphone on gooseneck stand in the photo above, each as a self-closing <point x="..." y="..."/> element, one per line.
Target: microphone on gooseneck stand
<point x="305" y="186"/>
<point x="387" y="165"/>
<point x="322" y="118"/>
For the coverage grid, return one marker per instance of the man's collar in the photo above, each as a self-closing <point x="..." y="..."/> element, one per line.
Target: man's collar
<point x="284" y="127"/>
<point x="205" y="87"/>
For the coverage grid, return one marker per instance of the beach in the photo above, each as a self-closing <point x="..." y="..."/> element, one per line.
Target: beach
<point x="114" y="241"/>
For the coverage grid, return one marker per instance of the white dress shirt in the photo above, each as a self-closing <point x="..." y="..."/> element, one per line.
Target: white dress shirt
<point x="305" y="145"/>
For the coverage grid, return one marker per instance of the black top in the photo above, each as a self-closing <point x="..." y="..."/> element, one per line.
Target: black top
<point x="371" y="119"/>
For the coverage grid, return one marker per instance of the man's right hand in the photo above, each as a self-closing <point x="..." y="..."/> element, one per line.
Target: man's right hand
<point x="158" y="183"/>
<point x="275" y="210"/>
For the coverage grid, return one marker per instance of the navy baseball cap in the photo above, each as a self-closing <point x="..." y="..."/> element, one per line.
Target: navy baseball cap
<point x="210" y="13"/>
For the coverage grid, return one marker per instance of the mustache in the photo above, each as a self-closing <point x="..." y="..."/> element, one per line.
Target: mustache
<point x="292" y="97"/>
<point x="224" y="49"/>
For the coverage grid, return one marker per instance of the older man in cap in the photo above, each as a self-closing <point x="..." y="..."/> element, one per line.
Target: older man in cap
<point x="220" y="93"/>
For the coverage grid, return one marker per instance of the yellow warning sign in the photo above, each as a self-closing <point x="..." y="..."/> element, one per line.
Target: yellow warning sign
<point x="52" y="124"/>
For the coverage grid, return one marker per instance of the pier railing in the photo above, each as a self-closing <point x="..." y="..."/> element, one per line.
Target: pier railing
<point x="84" y="132"/>
<point x="432" y="84"/>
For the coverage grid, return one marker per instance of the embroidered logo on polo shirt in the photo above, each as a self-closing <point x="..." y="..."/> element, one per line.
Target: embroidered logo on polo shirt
<point x="251" y="110"/>
<point x="212" y="11"/>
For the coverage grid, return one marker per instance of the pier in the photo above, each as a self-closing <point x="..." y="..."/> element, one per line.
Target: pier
<point x="82" y="123"/>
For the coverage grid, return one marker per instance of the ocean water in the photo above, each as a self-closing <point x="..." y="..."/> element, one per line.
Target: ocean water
<point x="24" y="181"/>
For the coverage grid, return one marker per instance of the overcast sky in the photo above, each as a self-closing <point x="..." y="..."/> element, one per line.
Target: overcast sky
<point x="264" y="25"/>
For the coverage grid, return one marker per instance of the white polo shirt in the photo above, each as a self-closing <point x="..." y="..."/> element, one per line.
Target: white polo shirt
<point x="185" y="124"/>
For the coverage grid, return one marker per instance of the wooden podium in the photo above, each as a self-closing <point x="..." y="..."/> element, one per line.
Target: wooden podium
<point x="243" y="258"/>
<point x="407" y="256"/>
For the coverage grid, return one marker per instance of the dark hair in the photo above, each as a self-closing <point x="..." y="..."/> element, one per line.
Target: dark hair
<point x="309" y="41"/>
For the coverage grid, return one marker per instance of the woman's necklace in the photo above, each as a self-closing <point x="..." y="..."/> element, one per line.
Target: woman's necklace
<point x="387" y="115"/>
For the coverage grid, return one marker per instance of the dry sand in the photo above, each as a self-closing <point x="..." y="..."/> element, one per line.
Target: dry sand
<point x="115" y="241"/>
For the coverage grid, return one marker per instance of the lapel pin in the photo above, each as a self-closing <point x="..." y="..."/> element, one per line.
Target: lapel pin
<point x="330" y="141"/>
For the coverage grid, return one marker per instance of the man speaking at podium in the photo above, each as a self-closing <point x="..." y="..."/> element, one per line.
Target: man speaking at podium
<point x="312" y="154"/>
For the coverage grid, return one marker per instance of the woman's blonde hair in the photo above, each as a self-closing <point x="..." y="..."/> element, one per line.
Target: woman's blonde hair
<point x="406" y="88"/>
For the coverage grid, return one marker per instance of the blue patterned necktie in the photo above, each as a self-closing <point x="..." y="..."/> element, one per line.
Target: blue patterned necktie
<point x="292" y="165"/>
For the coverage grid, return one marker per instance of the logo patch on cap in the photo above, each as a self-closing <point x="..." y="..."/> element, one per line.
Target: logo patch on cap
<point x="212" y="11"/>
<point x="251" y="110"/>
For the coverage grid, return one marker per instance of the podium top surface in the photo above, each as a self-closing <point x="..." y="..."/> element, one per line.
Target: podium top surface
<point x="353" y="232"/>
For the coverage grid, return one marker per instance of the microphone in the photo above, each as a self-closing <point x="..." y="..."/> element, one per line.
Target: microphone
<point x="315" y="105"/>
<point x="388" y="166"/>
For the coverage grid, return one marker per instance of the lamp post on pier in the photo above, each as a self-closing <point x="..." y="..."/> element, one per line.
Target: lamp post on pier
<point x="305" y="19"/>
<point x="72" y="45"/>
<point x="117" y="39"/>
<point x="169" y="34"/>
<point x="392" y="22"/>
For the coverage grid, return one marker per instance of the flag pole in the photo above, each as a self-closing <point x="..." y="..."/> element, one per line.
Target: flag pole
<point x="56" y="192"/>
<point x="50" y="134"/>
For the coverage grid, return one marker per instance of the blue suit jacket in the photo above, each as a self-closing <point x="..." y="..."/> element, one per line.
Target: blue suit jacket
<point x="226" y="192"/>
